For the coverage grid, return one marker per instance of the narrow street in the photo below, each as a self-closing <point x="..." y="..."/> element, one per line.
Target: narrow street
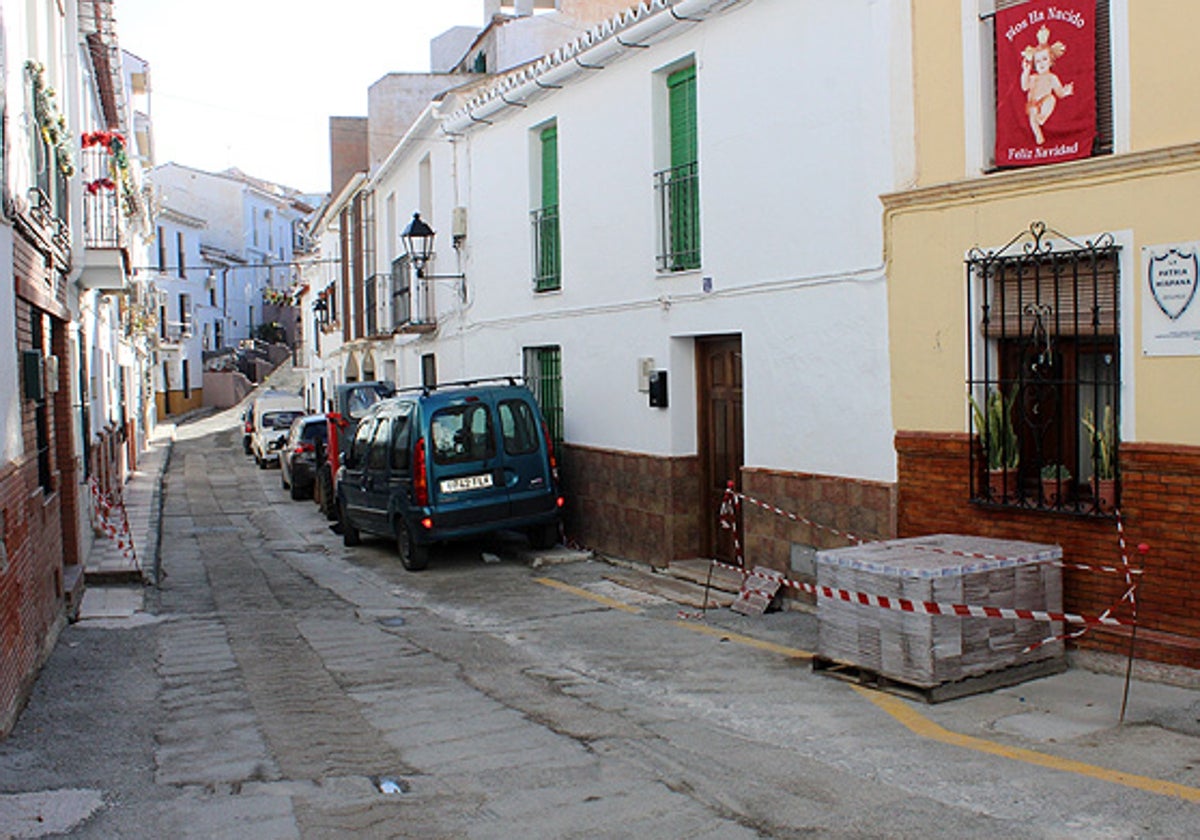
<point x="279" y="685"/>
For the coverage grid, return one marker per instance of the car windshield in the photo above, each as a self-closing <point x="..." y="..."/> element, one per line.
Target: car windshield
<point x="279" y="419"/>
<point x="360" y="399"/>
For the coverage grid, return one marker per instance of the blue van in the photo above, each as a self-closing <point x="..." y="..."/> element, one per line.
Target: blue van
<point x="459" y="460"/>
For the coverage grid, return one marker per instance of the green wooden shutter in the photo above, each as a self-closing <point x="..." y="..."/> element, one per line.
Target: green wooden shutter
<point x="681" y="87"/>
<point x="683" y="184"/>
<point x="549" y="268"/>
<point x="550" y="166"/>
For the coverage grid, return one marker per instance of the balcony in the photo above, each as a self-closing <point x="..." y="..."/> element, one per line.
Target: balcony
<point x="547" y="252"/>
<point x="174" y="333"/>
<point x="105" y="236"/>
<point x="413" y="309"/>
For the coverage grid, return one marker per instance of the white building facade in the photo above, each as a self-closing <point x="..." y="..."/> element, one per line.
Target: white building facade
<point x="225" y="270"/>
<point x="670" y="227"/>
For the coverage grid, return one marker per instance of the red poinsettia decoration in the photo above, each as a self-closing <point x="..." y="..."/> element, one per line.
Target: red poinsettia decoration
<point x="94" y="187"/>
<point x="102" y="138"/>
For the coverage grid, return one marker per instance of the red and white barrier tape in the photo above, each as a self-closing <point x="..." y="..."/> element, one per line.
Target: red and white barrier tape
<point x="970" y="555"/>
<point x="105" y="504"/>
<point x="935" y="608"/>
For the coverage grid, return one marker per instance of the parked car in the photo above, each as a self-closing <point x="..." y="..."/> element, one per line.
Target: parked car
<point x="298" y="459"/>
<point x="456" y="461"/>
<point x="247" y="426"/>
<point x="274" y="413"/>
<point x="350" y="402"/>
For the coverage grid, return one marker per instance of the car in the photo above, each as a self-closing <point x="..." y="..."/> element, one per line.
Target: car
<point x="247" y="426"/>
<point x="459" y="460"/>
<point x="274" y="413"/>
<point x="299" y="457"/>
<point x="349" y="403"/>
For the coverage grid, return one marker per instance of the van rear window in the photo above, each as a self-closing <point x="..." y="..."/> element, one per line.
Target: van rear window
<point x="462" y="433"/>
<point x="280" y="419"/>
<point x="518" y="427"/>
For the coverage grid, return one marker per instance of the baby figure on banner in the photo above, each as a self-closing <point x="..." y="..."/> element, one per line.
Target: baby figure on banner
<point x="1042" y="87"/>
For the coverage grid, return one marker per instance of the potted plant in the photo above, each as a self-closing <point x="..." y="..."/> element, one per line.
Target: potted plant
<point x="1055" y="479"/>
<point x="1104" y="457"/>
<point x="993" y="420"/>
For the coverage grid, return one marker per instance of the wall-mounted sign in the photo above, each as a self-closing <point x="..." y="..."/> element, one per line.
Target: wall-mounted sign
<point x="1045" y="82"/>
<point x="1170" y="310"/>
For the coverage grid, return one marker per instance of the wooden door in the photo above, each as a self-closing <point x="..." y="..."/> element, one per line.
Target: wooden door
<point x="719" y="370"/>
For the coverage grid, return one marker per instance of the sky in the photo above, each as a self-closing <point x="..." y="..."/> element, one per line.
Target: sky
<point x="253" y="83"/>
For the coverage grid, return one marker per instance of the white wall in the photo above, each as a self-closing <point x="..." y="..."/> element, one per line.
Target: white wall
<point x="795" y="148"/>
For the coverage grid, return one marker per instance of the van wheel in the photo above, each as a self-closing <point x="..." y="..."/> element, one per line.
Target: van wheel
<point x="350" y="535"/>
<point x="544" y="536"/>
<point x="413" y="557"/>
<point x="297" y="492"/>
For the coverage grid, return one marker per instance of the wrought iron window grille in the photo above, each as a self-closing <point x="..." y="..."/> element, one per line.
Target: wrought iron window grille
<point x="1044" y="383"/>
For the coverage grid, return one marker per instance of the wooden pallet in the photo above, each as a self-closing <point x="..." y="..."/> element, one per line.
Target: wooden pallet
<point x="992" y="680"/>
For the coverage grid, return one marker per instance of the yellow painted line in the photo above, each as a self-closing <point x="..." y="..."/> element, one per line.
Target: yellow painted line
<point x="917" y="723"/>
<point x="926" y="728"/>
<point x="611" y="603"/>
<point x="748" y="641"/>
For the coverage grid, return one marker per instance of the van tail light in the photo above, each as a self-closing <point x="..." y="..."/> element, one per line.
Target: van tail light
<point x="550" y="451"/>
<point x="305" y="447"/>
<point x="420" y="478"/>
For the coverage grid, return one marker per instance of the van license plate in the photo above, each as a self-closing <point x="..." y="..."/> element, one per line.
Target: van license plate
<point x="468" y="482"/>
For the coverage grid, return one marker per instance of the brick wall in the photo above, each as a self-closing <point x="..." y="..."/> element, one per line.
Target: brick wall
<point x="864" y="509"/>
<point x="639" y="507"/>
<point x="1160" y="492"/>
<point x="36" y="541"/>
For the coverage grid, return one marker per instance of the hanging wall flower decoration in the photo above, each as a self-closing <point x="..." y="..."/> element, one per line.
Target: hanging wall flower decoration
<point x="51" y="123"/>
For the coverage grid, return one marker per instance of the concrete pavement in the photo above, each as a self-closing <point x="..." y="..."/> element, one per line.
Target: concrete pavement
<point x="1067" y="722"/>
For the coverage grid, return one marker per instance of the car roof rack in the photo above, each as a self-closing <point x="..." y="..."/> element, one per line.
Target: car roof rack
<point x="426" y="390"/>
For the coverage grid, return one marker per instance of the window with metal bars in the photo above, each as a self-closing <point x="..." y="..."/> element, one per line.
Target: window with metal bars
<point x="678" y="187"/>
<point x="1044" y="351"/>
<point x="543" y="375"/>
<point x="547" y="250"/>
<point x="1103" y="144"/>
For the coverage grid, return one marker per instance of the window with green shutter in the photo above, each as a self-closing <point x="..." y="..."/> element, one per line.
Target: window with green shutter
<point x="547" y="254"/>
<point x="679" y="186"/>
<point x="543" y="375"/>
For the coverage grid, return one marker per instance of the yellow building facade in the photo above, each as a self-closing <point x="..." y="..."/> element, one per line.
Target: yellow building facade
<point x="1068" y="290"/>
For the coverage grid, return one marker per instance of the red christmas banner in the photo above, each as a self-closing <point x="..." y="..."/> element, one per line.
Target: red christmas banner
<point x="1045" y="82"/>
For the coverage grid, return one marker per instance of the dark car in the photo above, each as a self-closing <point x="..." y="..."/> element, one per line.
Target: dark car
<point x="299" y="457"/>
<point x="446" y="463"/>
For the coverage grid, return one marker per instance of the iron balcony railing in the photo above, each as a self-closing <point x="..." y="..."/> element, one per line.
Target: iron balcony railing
<point x="678" y="193"/>
<point x="103" y="221"/>
<point x="412" y="298"/>
<point x="547" y="251"/>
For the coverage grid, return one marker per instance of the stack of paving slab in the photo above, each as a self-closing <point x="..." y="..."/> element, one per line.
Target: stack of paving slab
<point x="923" y="650"/>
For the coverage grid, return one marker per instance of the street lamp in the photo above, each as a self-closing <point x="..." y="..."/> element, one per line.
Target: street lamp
<point x="418" y="243"/>
<point x="418" y="246"/>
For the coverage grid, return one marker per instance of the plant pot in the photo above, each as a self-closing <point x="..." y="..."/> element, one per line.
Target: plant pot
<point x="1002" y="485"/>
<point x="1105" y="490"/>
<point x="1052" y="491"/>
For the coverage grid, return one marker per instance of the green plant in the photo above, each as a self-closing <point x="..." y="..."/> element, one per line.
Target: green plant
<point x="993" y="420"/>
<point x="1056" y="472"/>
<point x="1104" y="441"/>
